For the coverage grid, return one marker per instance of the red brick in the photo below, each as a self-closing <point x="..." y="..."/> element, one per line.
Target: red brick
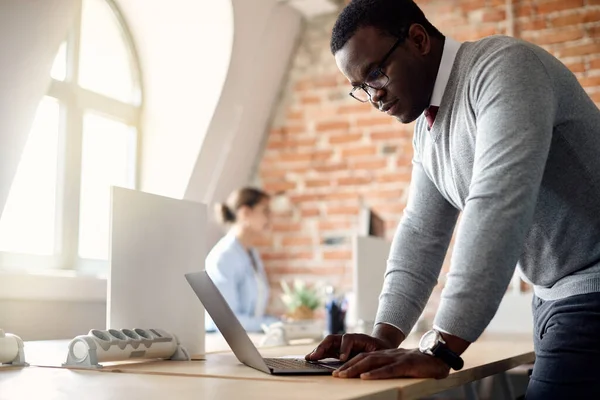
<point x="305" y="198"/>
<point x="287" y="227"/>
<point x="568" y="19"/>
<point x="353" y="180"/>
<point x="404" y="161"/>
<point x="558" y="36"/>
<point x="341" y="196"/>
<point x="374" y="121"/>
<point x="524" y="9"/>
<point x="472" y="5"/>
<point x="579" y="50"/>
<point x="287" y="255"/>
<point x="337" y="255"/>
<point x="322" y="82"/>
<point x="370" y="165"/>
<point x="469" y="33"/>
<point x="293" y="129"/>
<point x="275" y="187"/>
<point x="595" y="64"/>
<point x="494" y="15"/>
<point x="392" y="208"/>
<point x="272" y="173"/>
<point x="359" y="151"/>
<point x="558" y="5"/>
<point x="322" y="155"/>
<point x="334" y="225"/>
<point x="590" y="81"/>
<point x="358" y="108"/>
<point x="317" y="183"/>
<point x="386" y="135"/>
<point x="306" y="100"/>
<point x="294" y="157"/>
<point x="262" y="241"/>
<point x="533" y="24"/>
<point x="324" y="111"/>
<point x="576" y="67"/>
<point x="291" y="144"/>
<point x="594" y="31"/>
<point x="332" y="167"/>
<point x="294" y="115"/>
<point x="595" y="97"/>
<point x="332" y="126"/>
<point x="384" y="194"/>
<point x="400" y="177"/>
<point x="343" y="210"/>
<point x="288" y="270"/>
<point x="296" y="241"/>
<point x="346" y="138"/>
<point x="310" y="212"/>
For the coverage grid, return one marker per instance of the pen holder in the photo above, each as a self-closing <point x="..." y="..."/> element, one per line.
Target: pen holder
<point x="11" y="350"/>
<point x="88" y="351"/>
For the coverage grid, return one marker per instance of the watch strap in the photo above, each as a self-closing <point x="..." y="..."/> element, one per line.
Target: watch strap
<point x="448" y="356"/>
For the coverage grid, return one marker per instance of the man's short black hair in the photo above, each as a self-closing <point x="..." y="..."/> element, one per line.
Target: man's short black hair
<point x="392" y="17"/>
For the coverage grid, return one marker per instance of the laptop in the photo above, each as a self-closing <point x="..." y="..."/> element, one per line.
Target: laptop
<point x="237" y="338"/>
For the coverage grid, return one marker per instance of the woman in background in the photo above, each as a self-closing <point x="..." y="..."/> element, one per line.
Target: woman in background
<point x="234" y="264"/>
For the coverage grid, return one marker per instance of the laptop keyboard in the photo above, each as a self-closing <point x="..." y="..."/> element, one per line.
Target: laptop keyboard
<point x="292" y="364"/>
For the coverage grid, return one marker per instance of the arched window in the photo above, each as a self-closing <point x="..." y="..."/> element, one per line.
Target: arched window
<point x="84" y="139"/>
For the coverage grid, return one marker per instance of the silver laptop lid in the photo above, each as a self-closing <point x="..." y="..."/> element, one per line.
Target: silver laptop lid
<point x="225" y="320"/>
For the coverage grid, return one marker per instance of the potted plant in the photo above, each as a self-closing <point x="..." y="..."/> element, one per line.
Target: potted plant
<point x="301" y="300"/>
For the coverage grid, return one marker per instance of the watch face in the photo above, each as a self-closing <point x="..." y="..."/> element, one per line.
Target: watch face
<point x="429" y="340"/>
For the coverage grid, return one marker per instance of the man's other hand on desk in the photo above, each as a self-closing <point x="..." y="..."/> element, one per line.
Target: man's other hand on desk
<point x="345" y="347"/>
<point x="393" y="363"/>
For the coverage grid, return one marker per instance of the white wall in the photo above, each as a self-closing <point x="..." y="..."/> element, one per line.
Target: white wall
<point x="30" y="34"/>
<point x="184" y="49"/>
<point x="266" y="34"/>
<point x="176" y="123"/>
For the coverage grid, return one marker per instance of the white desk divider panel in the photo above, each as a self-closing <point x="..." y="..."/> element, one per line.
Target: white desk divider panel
<point x="155" y="240"/>
<point x="369" y="260"/>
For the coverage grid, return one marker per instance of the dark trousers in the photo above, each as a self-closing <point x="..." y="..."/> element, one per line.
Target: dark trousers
<point x="567" y="348"/>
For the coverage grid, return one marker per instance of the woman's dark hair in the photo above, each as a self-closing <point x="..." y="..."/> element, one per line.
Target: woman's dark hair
<point x="392" y="17"/>
<point x="247" y="196"/>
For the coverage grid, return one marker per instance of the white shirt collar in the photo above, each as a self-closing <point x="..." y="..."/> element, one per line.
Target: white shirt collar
<point x="451" y="47"/>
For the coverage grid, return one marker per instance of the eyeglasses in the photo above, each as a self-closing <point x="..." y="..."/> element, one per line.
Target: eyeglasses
<point x="376" y="80"/>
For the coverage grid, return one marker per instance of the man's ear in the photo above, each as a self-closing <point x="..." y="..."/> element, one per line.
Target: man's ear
<point x="419" y="38"/>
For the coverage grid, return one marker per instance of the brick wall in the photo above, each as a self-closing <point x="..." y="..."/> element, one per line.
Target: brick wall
<point x="328" y="154"/>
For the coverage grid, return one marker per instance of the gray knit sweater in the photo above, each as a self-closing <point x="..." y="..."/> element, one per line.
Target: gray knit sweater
<point x="515" y="150"/>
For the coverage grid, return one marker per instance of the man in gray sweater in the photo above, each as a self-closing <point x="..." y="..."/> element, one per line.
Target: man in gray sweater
<point x="506" y="136"/>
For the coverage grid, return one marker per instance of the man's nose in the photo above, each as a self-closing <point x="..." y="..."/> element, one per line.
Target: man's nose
<point x="376" y="96"/>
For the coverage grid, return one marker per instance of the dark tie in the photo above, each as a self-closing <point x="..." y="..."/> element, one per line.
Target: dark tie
<point x="430" y="114"/>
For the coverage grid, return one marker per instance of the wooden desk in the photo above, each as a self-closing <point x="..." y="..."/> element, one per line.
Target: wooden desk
<point x="489" y="356"/>
<point x="64" y="384"/>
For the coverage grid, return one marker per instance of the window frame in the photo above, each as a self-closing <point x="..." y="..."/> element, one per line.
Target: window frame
<point x="74" y="102"/>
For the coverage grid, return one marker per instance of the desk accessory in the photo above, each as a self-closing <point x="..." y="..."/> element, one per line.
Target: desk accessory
<point x="87" y="351"/>
<point x="11" y="350"/>
<point x="283" y="333"/>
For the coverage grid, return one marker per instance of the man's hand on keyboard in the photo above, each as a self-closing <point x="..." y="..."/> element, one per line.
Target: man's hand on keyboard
<point x="393" y="363"/>
<point x="344" y="347"/>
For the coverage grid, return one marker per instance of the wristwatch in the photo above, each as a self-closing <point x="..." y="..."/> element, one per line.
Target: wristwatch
<point x="434" y="345"/>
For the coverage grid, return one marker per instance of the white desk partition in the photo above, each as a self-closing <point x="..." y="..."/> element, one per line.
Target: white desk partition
<point x="155" y="240"/>
<point x="369" y="260"/>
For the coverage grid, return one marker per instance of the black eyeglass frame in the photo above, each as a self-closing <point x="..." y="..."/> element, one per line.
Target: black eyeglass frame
<point x="379" y="69"/>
